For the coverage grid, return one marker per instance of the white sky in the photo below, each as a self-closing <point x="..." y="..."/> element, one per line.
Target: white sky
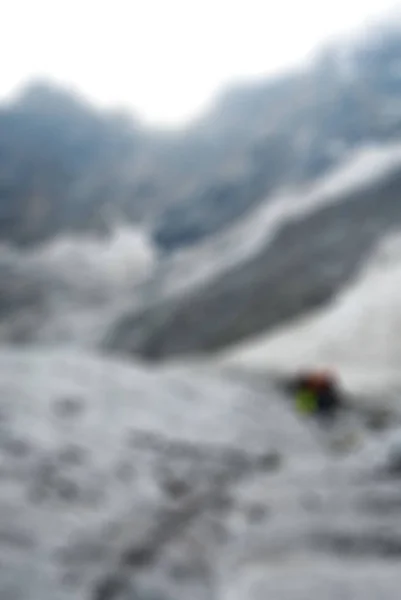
<point x="163" y="58"/>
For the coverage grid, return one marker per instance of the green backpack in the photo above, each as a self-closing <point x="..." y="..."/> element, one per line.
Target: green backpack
<point x="306" y="402"/>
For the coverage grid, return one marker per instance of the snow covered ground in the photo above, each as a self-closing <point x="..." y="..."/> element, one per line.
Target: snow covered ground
<point x="122" y="482"/>
<point x="90" y="452"/>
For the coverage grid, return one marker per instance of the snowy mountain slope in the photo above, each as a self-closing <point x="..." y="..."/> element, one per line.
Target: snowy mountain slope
<point x="290" y="148"/>
<point x="122" y="482"/>
<point x="358" y="334"/>
<point x="292" y="255"/>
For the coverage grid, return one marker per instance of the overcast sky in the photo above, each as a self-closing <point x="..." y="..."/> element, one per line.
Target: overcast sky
<point x="164" y="59"/>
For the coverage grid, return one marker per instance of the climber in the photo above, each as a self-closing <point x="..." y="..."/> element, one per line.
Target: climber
<point x="317" y="395"/>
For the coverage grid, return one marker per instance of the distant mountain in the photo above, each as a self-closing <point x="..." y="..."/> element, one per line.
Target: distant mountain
<point x="65" y="165"/>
